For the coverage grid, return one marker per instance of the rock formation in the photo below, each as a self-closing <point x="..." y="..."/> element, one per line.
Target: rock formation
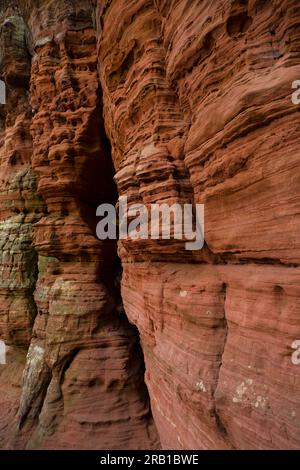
<point x="83" y="383"/>
<point x="177" y="101"/>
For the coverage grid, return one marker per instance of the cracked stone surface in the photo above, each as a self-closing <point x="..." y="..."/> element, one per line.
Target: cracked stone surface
<point x="82" y="386"/>
<point x="197" y="107"/>
<point x="160" y="101"/>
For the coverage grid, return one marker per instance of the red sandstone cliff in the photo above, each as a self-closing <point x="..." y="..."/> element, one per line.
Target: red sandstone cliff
<point x="185" y="101"/>
<point x="83" y="384"/>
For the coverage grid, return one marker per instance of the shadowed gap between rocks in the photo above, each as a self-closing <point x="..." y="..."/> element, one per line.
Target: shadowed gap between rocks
<point x="56" y="363"/>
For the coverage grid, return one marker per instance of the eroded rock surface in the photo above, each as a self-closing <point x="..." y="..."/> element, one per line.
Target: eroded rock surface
<point x="186" y="102"/>
<point x="83" y="384"/>
<point x="197" y="106"/>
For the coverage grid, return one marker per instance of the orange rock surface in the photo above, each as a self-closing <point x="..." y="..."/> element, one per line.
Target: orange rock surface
<point x="172" y="101"/>
<point x="197" y="106"/>
<point x="83" y="383"/>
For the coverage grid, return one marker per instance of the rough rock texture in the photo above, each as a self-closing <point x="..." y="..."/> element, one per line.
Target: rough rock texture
<point x="83" y="383"/>
<point x="190" y="102"/>
<point x="20" y="208"/>
<point x="197" y="104"/>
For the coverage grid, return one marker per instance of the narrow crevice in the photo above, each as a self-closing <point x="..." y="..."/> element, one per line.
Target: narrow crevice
<point x="216" y="412"/>
<point x="112" y="280"/>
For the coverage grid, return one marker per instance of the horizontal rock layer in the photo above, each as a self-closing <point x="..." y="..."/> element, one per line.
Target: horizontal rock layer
<point x="197" y="106"/>
<point x="83" y="385"/>
<point x="190" y="102"/>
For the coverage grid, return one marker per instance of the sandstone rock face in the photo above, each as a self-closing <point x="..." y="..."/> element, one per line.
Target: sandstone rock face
<point x="83" y="383"/>
<point x="197" y="106"/>
<point x="177" y="102"/>
<point x="20" y="208"/>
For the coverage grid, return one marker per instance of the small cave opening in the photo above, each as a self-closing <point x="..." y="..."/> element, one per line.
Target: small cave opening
<point x="102" y="189"/>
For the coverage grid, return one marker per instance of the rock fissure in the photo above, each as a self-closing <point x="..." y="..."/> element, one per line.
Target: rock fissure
<point x="160" y="101"/>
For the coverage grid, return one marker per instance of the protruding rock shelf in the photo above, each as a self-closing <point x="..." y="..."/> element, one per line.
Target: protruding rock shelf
<point x="161" y="101"/>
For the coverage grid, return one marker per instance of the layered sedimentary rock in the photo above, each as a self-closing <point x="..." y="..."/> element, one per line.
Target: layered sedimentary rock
<point x="186" y="102"/>
<point x="83" y="383"/>
<point x="197" y="106"/>
<point x="20" y="208"/>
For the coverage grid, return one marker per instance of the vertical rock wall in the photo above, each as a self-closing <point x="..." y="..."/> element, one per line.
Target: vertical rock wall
<point x="83" y="383"/>
<point x="197" y="104"/>
<point x="20" y="209"/>
<point x="186" y="102"/>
